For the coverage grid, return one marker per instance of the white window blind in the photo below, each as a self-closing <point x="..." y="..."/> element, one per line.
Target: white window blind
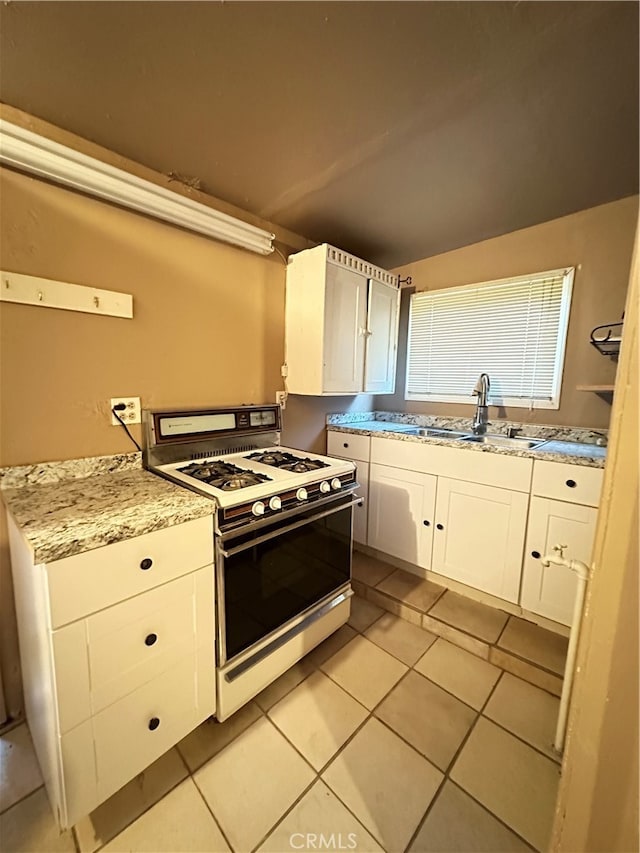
<point x="513" y="329"/>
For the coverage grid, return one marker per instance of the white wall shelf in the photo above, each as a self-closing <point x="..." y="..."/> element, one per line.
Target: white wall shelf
<point x="47" y="293"/>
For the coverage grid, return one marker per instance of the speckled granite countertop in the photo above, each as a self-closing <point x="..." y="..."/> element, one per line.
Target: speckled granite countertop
<point x="561" y="444"/>
<point x="66" y="508"/>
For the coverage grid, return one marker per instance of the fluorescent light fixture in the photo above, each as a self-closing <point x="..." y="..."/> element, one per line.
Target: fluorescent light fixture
<point x="22" y="149"/>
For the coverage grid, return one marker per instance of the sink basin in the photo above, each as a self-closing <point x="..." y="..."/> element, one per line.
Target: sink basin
<point x="435" y="432"/>
<point x="521" y="442"/>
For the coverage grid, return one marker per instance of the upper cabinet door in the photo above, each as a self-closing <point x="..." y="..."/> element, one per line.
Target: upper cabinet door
<point x="345" y="326"/>
<point x="382" y="338"/>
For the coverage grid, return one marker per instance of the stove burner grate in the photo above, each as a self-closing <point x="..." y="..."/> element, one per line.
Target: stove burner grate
<point x="287" y="461"/>
<point x="223" y="475"/>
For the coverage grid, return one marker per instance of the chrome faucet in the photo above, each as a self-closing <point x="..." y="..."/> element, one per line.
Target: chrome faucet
<point x="480" y="420"/>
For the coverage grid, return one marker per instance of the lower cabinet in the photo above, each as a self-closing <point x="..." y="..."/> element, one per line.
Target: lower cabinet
<point x="479" y="536"/>
<point x="117" y="651"/>
<point x="360" y="513"/>
<point x="550" y="591"/>
<point x="474" y="530"/>
<point x="401" y="513"/>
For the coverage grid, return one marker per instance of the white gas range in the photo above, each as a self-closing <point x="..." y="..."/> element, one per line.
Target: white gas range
<point x="283" y="537"/>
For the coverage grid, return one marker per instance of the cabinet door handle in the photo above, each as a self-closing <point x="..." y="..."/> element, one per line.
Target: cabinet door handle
<point x="440" y="526"/>
<point x="150" y="639"/>
<point x="154" y="722"/>
<point x="572" y="484"/>
<point x="146" y="564"/>
<point x="426" y="523"/>
<point x="535" y="554"/>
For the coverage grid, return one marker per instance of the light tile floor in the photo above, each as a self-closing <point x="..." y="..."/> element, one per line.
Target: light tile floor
<point x="385" y="738"/>
<point x="528" y="651"/>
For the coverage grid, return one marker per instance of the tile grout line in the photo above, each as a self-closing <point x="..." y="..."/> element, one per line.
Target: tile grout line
<point x="446" y="775"/>
<point x="453" y="782"/>
<point x="21" y="799"/>
<point x="102" y="845"/>
<point x="504" y="628"/>
<point x="210" y="810"/>
<point x="318" y="773"/>
<point x="370" y="715"/>
<point x="490" y="645"/>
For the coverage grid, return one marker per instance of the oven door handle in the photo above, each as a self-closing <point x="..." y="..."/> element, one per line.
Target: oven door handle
<point x="259" y="539"/>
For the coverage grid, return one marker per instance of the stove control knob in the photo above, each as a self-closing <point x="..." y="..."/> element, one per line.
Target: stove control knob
<point x="302" y="495"/>
<point x="258" y="508"/>
<point x="275" y="503"/>
<point x="336" y="484"/>
<point x="325" y="487"/>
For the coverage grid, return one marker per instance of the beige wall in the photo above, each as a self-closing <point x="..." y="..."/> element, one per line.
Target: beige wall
<point x="599" y="242"/>
<point x="207" y="327"/>
<point x="304" y="420"/>
<point x="207" y="330"/>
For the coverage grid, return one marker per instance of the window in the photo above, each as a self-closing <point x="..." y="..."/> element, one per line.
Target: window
<point x="513" y="329"/>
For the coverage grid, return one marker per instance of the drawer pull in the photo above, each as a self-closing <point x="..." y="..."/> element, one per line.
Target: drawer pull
<point x="150" y="639"/>
<point x="346" y="444"/>
<point x="154" y="722"/>
<point x="535" y="555"/>
<point x="146" y="564"/>
<point x="572" y="484"/>
<point x="440" y="526"/>
<point x="426" y="523"/>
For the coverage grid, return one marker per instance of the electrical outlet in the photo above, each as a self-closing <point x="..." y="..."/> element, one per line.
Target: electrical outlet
<point x="130" y="414"/>
<point x="281" y="399"/>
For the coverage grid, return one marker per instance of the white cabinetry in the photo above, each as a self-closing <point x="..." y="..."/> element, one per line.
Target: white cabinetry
<point x="356" y="448"/>
<point x="479" y="536"/>
<point x="341" y="324"/>
<point x="401" y="506"/>
<point x="361" y="512"/>
<point x="563" y="512"/>
<point x="117" y="652"/>
<point x="467" y="515"/>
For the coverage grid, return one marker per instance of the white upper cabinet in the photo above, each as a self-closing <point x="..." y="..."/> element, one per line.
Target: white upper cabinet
<point x="341" y="324"/>
<point x="345" y="323"/>
<point x="382" y="337"/>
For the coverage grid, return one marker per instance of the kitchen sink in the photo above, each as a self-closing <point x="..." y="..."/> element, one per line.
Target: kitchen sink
<point x="435" y="432"/>
<point x="522" y="442"/>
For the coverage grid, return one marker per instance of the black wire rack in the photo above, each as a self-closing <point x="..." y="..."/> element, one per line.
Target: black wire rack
<point x="606" y="339"/>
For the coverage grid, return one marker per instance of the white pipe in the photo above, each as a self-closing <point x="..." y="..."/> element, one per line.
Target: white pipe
<point x="582" y="571"/>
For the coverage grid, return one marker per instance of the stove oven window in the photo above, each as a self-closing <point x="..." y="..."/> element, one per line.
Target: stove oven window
<point x="270" y="583"/>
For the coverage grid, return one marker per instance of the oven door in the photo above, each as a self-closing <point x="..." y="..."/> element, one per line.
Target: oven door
<point x="270" y="576"/>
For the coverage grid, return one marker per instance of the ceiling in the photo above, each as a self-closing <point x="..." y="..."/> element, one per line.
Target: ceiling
<point x="393" y="130"/>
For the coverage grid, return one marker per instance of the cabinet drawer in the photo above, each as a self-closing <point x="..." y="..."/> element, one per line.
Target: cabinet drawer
<point x="348" y="445"/>
<point x="131" y="734"/>
<point x="574" y="483"/>
<point x="100" y="659"/>
<point x="97" y="579"/>
<point x="489" y="469"/>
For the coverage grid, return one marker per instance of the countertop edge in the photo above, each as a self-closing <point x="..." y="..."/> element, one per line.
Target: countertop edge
<point x="540" y="455"/>
<point x="52" y="535"/>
